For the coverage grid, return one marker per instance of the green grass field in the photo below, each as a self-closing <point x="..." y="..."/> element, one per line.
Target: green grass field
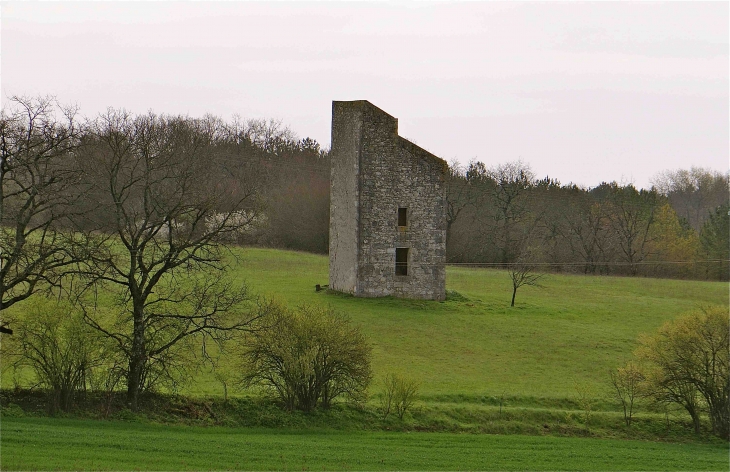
<point x="62" y="444"/>
<point x="466" y="352"/>
<point x="569" y="333"/>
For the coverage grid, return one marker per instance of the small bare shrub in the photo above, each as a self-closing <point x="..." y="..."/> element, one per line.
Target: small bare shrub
<point x="626" y="382"/>
<point x="107" y="380"/>
<point x="585" y="401"/>
<point x="399" y="394"/>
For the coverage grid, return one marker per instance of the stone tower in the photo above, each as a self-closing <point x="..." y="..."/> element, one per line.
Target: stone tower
<point x="387" y="208"/>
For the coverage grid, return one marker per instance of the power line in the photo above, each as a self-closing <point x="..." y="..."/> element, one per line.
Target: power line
<point x="563" y="264"/>
<point x="583" y="264"/>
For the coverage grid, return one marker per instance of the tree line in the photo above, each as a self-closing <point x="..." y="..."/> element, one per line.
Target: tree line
<point x="502" y="215"/>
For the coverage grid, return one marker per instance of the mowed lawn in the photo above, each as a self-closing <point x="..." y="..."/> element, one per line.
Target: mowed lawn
<point x="64" y="444"/>
<point x="562" y="337"/>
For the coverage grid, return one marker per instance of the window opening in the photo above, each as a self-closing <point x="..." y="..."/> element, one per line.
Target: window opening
<point x="402" y="216"/>
<point x="401" y="261"/>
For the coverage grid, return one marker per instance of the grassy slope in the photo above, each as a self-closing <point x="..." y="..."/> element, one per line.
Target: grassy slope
<point x="56" y="444"/>
<point x="561" y="337"/>
<point x="571" y="332"/>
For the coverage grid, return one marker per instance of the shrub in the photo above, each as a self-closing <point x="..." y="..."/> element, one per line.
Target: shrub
<point x="687" y="362"/>
<point x="308" y="357"/>
<point x="399" y="394"/>
<point x="53" y="340"/>
<point x="585" y="402"/>
<point x="626" y="382"/>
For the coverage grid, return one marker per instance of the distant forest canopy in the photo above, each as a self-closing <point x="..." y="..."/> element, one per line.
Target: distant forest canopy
<point x="503" y="214"/>
<point x="497" y="214"/>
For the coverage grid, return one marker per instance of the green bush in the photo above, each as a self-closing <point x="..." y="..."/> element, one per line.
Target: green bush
<point x="308" y="357"/>
<point x="687" y="362"/>
<point x="12" y="411"/>
<point x="61" y="350"/>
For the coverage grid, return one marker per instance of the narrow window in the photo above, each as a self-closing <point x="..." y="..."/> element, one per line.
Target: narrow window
<point x="402" y="216"/>
<point x="401" y="261"/>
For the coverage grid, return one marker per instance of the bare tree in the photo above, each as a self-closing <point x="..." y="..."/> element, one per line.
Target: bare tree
<point x="270" y="135"/>
<point x="524" y="272"/>
<point x="586" y="230"/>
<point x="632" y="214"/>
<point x="38" y="195"/>
<point x="169" y="199"/>
<point x="462" y="189"/>
<point x="548" y="203"/>
<point x="512" y="182"/>
<point x="694" y="193"/>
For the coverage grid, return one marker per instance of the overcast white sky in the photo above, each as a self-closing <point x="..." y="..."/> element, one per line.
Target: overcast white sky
<point x="583" y="92"/>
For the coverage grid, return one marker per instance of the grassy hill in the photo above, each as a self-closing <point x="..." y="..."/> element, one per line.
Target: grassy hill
<point x="469" y="353"/>
<point x="557" y="339"/>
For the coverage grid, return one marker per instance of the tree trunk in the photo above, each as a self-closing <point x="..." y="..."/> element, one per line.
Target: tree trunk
<point x="136" y="360"/>
<point x="720" y="418"/>
<point x="133" y="381"/>
<point x="507" y="254"/>
<point x="514" y="293"/>
<point x="695" y="419"/>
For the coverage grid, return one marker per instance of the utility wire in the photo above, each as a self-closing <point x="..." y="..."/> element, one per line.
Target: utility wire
<point x="582" y="264"/>
<point x="564" y="264"/>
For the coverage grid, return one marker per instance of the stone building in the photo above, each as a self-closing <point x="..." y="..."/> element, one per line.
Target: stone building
<point x="387" y="208"/>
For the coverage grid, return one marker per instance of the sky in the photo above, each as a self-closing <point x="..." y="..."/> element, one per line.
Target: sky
<point x="580" y="92"/>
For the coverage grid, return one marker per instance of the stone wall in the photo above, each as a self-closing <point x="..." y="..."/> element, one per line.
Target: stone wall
<point x="344" y="198"/>
<point x="374" y="173"/>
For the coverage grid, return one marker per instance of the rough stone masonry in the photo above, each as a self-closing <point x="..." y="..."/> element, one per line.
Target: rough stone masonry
<point x="387" y="208"/>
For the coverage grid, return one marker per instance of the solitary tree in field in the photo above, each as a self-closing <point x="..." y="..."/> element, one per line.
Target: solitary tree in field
<point x="168" y="198"/>
<point x="524" y="272"/>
